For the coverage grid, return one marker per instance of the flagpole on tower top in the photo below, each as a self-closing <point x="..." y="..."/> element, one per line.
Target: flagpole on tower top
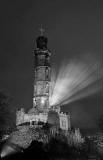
<point x="41" y="30"/>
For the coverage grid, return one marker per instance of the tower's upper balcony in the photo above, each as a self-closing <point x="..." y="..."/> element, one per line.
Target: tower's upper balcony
<point x="41" y="53"/>
<point x="41" y="42"/>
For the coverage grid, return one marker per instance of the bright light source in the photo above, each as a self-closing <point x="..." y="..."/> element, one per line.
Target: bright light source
<point x="75" y="80"/>
<point x="43" y="99"/>
<point x="7" y="150"/>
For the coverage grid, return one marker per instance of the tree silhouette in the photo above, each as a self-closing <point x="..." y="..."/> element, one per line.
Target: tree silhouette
<point x="7" y="111"/>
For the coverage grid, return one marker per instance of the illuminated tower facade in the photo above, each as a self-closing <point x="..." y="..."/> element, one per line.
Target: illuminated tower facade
<point x="42" y="110"/>
<point x="42" y="75"/>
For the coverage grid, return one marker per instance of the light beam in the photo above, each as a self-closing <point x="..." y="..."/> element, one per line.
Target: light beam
<point x="75" y="80"/>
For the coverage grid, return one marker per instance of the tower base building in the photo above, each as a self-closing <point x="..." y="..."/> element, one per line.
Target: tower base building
<point x="32" y="119"/>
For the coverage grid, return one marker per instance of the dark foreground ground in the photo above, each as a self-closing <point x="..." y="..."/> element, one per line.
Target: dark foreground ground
<point x="54" y="151"/>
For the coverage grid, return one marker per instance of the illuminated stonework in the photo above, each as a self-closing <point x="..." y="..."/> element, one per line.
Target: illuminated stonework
<point x="64" y="121"/>
<point x="22" y="117"/>
<point x="42" y="90"/>
<point x="42" y="75"/>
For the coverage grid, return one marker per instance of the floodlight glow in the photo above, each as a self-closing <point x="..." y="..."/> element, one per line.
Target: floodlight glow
<point x="43" y="100"/>
<point x="75" y="80"/>
<point x="7" y="150"/>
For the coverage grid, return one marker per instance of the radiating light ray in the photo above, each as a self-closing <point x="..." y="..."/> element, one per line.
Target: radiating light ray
<point x="7" y="150"/>
<point x="53" y="79"/>
<point x="75" y="80"/>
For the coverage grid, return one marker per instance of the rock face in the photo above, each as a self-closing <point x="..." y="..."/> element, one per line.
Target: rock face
<point x="24" y="136"/>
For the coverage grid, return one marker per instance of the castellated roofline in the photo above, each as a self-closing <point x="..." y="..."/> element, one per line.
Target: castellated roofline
<point x="23" y="117"/>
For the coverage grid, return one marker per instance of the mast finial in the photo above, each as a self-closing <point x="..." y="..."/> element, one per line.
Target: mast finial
<point x="41" y="30"/>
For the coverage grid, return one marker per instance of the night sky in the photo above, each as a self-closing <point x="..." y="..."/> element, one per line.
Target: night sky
<point x="72" y="28"/>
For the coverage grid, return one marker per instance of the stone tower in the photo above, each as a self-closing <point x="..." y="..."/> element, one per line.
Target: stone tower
<point x="42" y="75"/>
<point x="42" y="111"/>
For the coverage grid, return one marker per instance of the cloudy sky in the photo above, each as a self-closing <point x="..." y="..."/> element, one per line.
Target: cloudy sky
<point x="72" y="28"/>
